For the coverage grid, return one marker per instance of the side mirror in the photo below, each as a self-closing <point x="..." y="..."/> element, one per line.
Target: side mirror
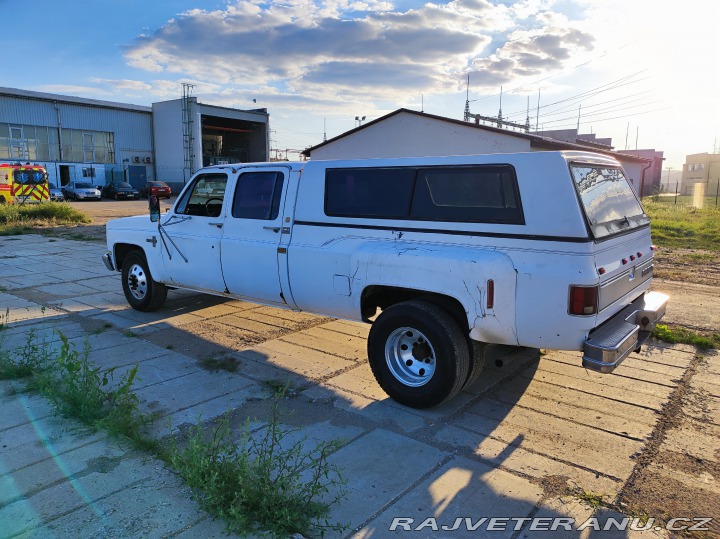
<point x="154" y="205"/>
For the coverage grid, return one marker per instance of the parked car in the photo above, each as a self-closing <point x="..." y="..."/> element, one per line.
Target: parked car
<point x="120" y="190"/>
<point x="55" y="193"/>
<point x="159" y="189"/>
<point x="81" y="191"/>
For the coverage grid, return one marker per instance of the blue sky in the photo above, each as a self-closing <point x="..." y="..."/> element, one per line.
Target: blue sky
<point x="630" y="69"/>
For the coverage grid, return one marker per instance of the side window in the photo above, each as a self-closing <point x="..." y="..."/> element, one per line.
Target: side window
<point x="257" y="195"/>
<point x="486" y="194"/>
<point x="369" y="192"/>
<point x="205" y="197"/>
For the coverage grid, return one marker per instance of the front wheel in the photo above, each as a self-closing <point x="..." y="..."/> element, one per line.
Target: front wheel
<point x="418" y="354"/>
<point x="141" y="291"/>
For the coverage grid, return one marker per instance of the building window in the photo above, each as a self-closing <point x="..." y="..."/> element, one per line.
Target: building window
<point x="42" y="143"/>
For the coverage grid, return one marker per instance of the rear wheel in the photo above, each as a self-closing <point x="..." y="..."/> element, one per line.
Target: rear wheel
<point x="418" y="354"/>
<point x="477" y="351"/>
<point x="141" y="291"/>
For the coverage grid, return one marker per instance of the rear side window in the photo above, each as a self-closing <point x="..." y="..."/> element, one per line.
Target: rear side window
<point x="486" y="193"/>
<point x="369" y="192"/>
<point x="475" y="194"/>
<point x="610" y="204"/>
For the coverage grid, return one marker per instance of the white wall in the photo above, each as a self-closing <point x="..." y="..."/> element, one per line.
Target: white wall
<point x="410" y="135"/>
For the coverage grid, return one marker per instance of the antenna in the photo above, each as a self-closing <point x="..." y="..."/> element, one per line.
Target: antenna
<point x="324" y="131"/>
<point x="537" y="114"/>
<point x="422" y="103"/>
<point x="467" y="99"/>
<point x="578" y="123"/>
<point x="500" y="119"/>
<point x="527" y="117"/>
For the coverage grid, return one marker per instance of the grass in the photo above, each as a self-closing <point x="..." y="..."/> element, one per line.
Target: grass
<point x="681" y="335"/>
<point x="684" y="226"/>
<point x="266" y="481"/>
<point x="18" y="219"/>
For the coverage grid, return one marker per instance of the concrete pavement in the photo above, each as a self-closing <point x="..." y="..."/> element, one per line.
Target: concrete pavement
<point x="509" y="447"/>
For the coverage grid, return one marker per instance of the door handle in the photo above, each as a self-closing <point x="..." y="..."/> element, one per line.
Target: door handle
<point x="219" y="225"/>
<point x="275" y="229"/>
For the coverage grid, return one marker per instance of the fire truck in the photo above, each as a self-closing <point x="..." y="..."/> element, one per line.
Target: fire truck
<point x="23" y="183"/>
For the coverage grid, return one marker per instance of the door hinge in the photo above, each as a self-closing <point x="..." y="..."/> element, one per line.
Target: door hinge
<point x="282" y="250"/>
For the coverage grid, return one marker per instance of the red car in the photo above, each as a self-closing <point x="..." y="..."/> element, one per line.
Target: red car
<point x="159" y="189"/>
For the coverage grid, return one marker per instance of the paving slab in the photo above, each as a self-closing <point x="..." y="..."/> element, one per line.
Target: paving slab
<point x="460" y="489"/>
<point x="381" y="466"/>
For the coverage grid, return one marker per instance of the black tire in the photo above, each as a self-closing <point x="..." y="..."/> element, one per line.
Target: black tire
<point x="438" y="345"/>
<point x="478" y="351"/>
<point x="141" y="291"/>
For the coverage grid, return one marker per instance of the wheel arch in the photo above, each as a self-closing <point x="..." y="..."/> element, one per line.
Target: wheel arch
<point x="121" y="250"/>
<point x="382" y="297"/>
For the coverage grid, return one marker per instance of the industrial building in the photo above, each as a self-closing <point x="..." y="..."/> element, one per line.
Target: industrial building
<point x="701" y="172"/>
<point x="101" y="141"/>
<point x="408" y="133"/>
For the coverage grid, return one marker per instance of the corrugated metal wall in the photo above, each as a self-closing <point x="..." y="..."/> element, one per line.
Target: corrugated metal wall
<point x="133" y="129"/>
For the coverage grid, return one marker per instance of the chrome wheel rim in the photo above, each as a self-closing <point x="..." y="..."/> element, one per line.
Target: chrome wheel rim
<point x="137" y="282"/>
<point x="410" y="357"/>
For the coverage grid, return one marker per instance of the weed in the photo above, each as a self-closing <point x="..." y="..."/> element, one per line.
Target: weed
<point x="265" y="481"/>
<point x="169" y="347"/>
<point x="101" y="329"/>
<point x="76" y="387"/>
<point x="592" y="499"/>
<point x="129" y="333"/>
<point x="32" y="358"/>
<point x="211" y="363"/>
<point x="281" y="388"/>
<point x="685" y="336"/>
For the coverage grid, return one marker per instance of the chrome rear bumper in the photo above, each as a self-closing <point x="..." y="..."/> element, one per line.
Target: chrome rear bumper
<point x="625" y="332"/>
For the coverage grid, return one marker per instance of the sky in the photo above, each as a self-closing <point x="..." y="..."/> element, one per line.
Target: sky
<point x="643" y="72"/>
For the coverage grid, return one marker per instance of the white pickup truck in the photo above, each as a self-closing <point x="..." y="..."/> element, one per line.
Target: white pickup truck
<point x="441" y="254"/>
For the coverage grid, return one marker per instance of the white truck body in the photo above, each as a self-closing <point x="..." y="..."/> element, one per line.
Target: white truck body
<point x="536" y="266"/>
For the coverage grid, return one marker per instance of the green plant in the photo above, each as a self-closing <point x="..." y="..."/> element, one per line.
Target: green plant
<point x="211" y="363"/>
<point x="31" y="359"/>
<point x="682" y="335"/>
<point x="592" y="499"/>
<point x="266" y="481"/>
<point x="76" y="387"/>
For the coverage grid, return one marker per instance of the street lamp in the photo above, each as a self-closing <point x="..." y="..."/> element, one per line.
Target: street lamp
<point x="359" y="120"/>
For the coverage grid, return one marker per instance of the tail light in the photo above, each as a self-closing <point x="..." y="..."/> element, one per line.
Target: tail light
<point x="490" y="294"/>
<point x="583" y="300"/>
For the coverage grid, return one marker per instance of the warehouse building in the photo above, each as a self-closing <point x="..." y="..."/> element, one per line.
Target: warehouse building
<point x="102" y="141"/>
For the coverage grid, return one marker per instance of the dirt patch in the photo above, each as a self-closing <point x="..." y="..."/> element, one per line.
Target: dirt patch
<point x="688" y="265"/>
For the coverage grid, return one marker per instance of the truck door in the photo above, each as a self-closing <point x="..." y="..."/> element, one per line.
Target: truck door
<point x="192" y="233"/>
<point x="253" y="235"/>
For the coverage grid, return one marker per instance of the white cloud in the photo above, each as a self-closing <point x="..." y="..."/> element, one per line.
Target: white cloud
<point x="367" y="50"/>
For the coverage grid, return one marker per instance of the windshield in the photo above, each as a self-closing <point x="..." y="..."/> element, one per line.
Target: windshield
<point x="610" y="204"/>
<point x="29" y="176"/>
<point x="124" y="185"/>
<point x="83" y="186"/>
